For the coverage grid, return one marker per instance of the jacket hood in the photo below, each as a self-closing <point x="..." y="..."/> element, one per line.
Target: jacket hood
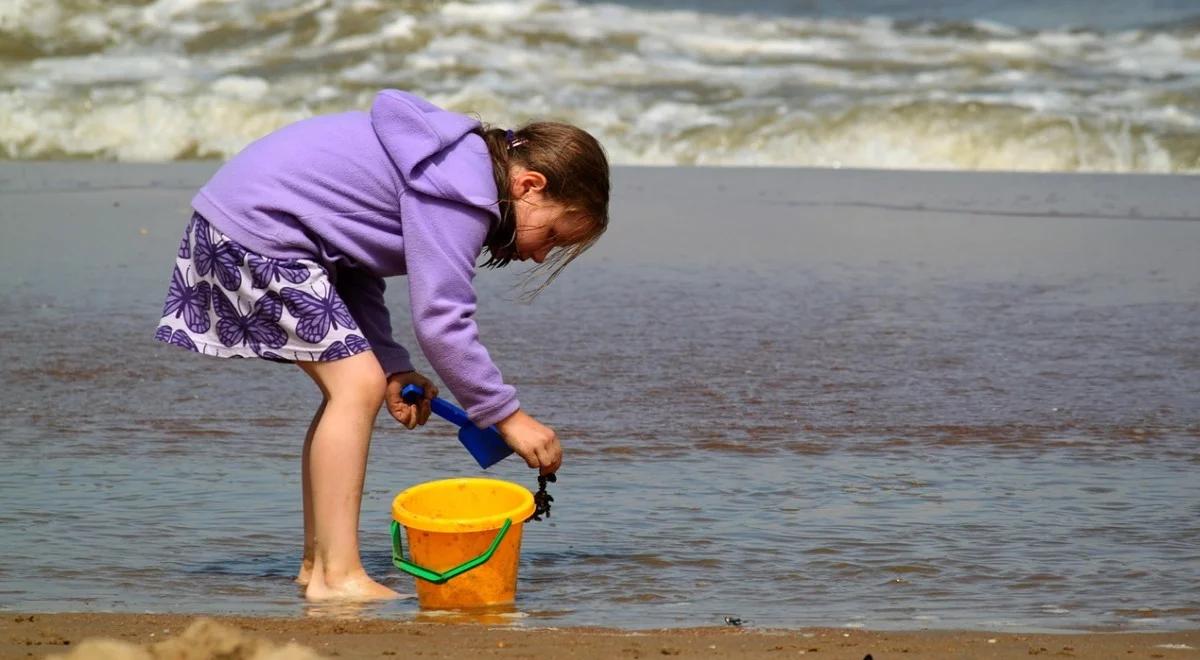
<point x="436" y="151"/>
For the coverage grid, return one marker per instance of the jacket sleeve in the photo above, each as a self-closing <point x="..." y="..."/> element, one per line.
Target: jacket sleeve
<point x="363" y="295"/>
<point x="442" y="241"/>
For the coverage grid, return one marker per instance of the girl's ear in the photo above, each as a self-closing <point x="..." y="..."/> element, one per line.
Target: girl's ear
<point x="526" y="181"/>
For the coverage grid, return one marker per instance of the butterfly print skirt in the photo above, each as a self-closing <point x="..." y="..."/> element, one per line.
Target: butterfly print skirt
<point x="226" y="301"/>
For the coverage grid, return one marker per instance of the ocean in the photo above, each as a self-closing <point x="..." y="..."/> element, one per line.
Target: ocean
<point x="1105" y="86"/>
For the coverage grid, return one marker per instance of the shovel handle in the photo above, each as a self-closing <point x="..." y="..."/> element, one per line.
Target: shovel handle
<point x="441" y="407"/>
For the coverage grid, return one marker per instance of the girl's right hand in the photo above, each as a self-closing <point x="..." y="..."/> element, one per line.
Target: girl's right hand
<point x="533" y="441"/>
<point x="410" y="415"/>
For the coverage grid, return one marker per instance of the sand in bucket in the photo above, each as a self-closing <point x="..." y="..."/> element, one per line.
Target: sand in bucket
<point x="464" y="540"/>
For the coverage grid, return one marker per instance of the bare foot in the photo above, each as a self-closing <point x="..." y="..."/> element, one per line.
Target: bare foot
<point x="359" y="588"/>
<point x="305" y="574"/>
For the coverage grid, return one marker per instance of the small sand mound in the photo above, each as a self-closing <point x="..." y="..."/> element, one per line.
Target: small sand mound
<point x="205" y="639"/>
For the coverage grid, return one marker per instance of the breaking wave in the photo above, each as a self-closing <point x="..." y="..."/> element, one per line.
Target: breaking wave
<point x="182" y="79"/>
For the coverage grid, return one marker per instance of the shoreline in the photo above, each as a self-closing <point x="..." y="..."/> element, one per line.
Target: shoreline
<point x="78" y="635"/>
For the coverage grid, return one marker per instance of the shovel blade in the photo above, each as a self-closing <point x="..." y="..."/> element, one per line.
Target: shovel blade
<point x="485" y="445"/>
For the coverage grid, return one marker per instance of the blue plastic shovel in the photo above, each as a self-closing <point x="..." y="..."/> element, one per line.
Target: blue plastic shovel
<point x="487" y="447"/>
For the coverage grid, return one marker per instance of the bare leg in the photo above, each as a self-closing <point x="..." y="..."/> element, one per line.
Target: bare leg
<point x="306" y="563"/>
<point x="337" y="465"/>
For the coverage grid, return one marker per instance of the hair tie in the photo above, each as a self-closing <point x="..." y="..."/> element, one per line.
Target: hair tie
<point x="513" y="141"/>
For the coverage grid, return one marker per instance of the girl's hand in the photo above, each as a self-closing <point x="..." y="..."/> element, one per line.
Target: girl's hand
<point x="533" y="441"/>
<point x="410" y="415"/>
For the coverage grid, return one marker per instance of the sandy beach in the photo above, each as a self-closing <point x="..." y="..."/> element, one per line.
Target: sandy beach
<point x="78" y="636"/>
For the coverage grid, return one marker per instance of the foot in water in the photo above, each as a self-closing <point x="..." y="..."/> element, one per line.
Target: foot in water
<point x="357" y="588"/>
<point x="305" y="574"/>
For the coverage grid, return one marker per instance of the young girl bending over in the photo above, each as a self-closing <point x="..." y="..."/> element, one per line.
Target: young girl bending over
<point x="285" y="258"/>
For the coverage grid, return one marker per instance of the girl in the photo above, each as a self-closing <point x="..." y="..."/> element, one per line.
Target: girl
<point x="285" y="256"/>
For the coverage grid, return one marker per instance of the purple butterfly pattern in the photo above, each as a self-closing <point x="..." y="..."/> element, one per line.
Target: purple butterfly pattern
<point x="178" y="338"/>
<point x="259" y="327"/>
<point x="264" y="270"/>
<point x="315" y="316"/>
<point x="357" y="344"/>
<point x="242" y="304"/>
<point x="190" y="302"/>
<point x="181" y="339"/>
<point x="352" y="346"/>
<point x="224" y="258"/>
<point x="185" y="245"/>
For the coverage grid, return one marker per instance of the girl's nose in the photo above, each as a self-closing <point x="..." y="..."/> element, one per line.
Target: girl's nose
<point x="541" y="254"/>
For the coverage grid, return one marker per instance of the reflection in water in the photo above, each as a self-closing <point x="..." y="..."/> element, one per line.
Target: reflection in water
<point x="497" y="615"/>
<point x="345" y="610"/>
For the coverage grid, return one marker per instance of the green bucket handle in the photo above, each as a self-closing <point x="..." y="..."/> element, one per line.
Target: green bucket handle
<point x="433" y="576"/>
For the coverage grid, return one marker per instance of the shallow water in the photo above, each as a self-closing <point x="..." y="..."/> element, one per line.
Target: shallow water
<point x="978" y="407"/>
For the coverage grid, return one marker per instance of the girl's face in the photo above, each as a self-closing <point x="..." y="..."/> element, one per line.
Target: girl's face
<point x="542" y="224"/>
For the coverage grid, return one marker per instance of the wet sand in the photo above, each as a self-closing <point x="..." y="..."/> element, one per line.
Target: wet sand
<point x="79" y="636"/>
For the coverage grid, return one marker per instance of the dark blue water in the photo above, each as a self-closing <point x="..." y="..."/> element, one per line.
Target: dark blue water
<point x="798" y="397"/>
<point x="1026" y="14"/>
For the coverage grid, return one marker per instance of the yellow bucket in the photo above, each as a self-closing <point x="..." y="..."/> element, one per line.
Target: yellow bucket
<point x="464" y="537"/>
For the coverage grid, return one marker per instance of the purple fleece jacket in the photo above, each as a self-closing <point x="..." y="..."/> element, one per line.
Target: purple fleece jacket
<point x="404" y="189"/>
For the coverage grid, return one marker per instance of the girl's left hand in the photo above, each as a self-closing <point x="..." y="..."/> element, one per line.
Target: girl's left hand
<point x="410" y="415"/>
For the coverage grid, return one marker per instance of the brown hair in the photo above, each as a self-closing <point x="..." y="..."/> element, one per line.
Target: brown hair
<point x="576" y="172"/>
